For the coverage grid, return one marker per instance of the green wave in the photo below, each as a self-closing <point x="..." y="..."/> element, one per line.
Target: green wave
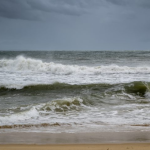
<point x="51" y="87"/>
<point x="137" y="88"/>
<point x="60" y="97"/>
<point x="63" y="105"/>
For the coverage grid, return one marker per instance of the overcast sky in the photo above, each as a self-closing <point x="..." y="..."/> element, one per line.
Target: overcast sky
<point x="74" y="24"/>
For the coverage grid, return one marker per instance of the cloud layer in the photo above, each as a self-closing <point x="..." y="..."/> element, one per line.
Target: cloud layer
<point x="33" y="9"/>
<point x="74" y="24"/>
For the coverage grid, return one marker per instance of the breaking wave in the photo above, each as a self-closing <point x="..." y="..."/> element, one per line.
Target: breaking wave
<point x="139" y="88"/>
<point x="21" y="63"/>
<point x="43" y="110"/>
<point x="65" y="91"/>
<point x="91" y="102"/>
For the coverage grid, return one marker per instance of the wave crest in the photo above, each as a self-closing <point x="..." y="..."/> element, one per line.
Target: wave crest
<point x="138" y="88"/>
<point x="21" y="63"/>
<point x="63" y="105"/>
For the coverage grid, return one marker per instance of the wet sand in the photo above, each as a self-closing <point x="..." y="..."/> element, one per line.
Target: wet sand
<point x="75" y="141"/>
<point x="74" y="138"/>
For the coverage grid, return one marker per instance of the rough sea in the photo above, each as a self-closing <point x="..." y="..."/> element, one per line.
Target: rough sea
<point x="64" y="91"/>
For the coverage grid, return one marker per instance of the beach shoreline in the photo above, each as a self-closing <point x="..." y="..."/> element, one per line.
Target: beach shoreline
<point x="74" y="138"/>
<point x="126" y="146"/>
<point x="75" y="141"/>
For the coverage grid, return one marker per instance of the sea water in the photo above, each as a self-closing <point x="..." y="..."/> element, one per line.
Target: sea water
<point x="69" y="91"/>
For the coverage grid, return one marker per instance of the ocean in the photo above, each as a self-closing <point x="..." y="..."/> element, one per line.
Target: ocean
<point x="74" y="91"/>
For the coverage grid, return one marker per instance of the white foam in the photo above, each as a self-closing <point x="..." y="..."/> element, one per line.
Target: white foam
<point x="43" y="112"/>
<point x="22" y="71"/>
<point x="24" y="64"/>
<point x="127" y="114"/>
<point x="19" y="118"/>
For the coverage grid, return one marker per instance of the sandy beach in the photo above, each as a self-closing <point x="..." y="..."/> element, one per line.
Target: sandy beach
<point x="130" y="146"/>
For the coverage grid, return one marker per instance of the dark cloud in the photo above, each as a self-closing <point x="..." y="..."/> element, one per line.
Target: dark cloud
<point x="16" y="9"/>
<point x="144" y="3"/>
<point x="139" y="3"/>
<point x="119" y="2"/>
<point x="74" y="24"/>
<point x="61" y="7"/>
<point x="34" y="9"/>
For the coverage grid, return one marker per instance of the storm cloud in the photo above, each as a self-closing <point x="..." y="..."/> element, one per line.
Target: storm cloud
<point x="33" y="9"/>
<point x="74" y="24"/>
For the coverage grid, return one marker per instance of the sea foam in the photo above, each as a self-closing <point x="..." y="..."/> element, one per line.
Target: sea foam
<point x="23" y="71"/>
<point x="21" y="63"/>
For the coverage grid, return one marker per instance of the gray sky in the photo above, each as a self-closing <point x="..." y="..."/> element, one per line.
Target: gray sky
<point x="74" y="24"/>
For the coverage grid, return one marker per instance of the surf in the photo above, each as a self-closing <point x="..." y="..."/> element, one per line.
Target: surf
<point x="22" y="63"/>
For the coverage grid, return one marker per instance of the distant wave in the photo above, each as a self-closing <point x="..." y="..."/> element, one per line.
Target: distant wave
<point x="21" y="63"/>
